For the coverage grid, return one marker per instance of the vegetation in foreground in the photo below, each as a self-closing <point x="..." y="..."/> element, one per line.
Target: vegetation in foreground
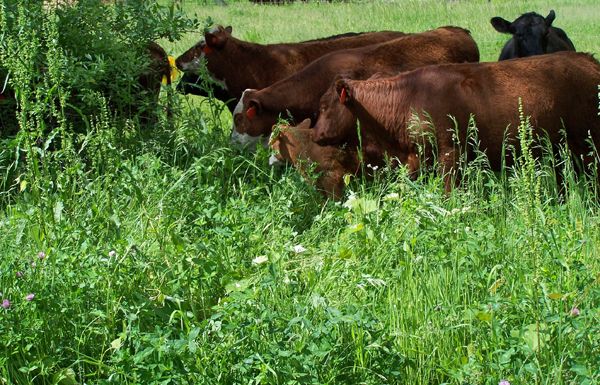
<point x="161" y="255"/>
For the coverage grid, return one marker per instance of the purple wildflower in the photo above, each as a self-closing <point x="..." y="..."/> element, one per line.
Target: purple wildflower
<point x="30" y="296"/>
<point x="575" y="311"/>
<point x="504" y="382"/>
<point x="41" y="255"/>
<point x="6" y="304"/>
<point x="112" y="253"/>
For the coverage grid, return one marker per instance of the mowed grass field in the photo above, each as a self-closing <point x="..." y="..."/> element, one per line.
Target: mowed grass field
<point x="180" y="260"/>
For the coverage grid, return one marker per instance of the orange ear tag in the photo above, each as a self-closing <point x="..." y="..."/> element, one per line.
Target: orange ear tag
<point x="343" y="95"/>
<point x="251" y="113"/>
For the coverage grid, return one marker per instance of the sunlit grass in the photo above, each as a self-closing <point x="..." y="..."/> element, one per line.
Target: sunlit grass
<point x="170" y="257"/>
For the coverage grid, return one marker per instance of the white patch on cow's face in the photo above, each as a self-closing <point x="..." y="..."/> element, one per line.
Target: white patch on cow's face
<point x="274" y="161"/>
<point x="242" y="139"/>
<point x="195" y="64"/>
<point x="214" y="29"/>
<point x="247" y="142"/>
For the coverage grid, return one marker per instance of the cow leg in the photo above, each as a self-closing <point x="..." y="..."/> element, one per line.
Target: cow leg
<point x="413" y="164"/>
<point x="447" y="160"/>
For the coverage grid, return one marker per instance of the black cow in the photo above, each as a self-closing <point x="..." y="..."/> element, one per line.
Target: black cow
<point x="532" y="34"/>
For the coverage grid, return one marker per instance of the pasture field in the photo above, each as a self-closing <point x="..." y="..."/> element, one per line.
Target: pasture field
<point x="164" y="256"/>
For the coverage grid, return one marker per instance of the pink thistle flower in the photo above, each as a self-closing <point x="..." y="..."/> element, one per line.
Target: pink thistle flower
<point x="30" y="297"/>
<point x="575" y="311"/>
<point x="41" y="255"/>
<point x="504" y="382"/>
<point x="6" y="304"/>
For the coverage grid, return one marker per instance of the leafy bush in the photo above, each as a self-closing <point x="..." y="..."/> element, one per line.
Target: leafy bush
<point x="71" y="67"/>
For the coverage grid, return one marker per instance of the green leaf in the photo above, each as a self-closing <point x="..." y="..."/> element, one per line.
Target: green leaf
<point x="240" y="285"/>
<point x="116" y="344"/>
<point x="534" y="339"/>
<point x="355" y="228"/>
<point x="555" y="296"/>
<point x="64" y="377"/>
<point x="484" y="316"/>
<point x="581" y="370"/>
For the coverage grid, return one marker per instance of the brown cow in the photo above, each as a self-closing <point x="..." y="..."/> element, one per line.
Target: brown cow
<point x="159" y="69"/>
<point x="237" y="65"/>
<point x="299" y="94"/>
<point x="397" y="114"/>
<point x="329" y="163"/>
<point x="141" y="101"/>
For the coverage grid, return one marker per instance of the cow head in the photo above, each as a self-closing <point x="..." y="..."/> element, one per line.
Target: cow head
<point x="207" y="50"/>
<point x="336" y="121"/>
<point x="529" y="31"/>
<point x="251" y="122"/>
<point x="214" y="40"/>
<point x="290" y="141"/>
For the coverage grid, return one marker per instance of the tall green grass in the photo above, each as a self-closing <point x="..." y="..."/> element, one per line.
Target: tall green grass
<point x="161" y="255"/>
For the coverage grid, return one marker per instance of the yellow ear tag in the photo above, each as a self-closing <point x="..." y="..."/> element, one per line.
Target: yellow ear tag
<point x="174" y="71"/>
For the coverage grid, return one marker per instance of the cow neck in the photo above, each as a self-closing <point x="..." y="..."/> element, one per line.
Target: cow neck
<point x="262" y="65"/>
<point x="291" y="94"/>
<point x="236" y="64"/>
<point x="382" y="109"/>
<point x="382" y="106"/>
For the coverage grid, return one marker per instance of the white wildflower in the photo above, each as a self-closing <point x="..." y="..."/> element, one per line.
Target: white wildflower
<point x="299" y="249"/>
<point x="260" y="260"/>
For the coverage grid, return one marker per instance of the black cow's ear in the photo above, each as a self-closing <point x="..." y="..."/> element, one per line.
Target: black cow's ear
<point x="550" y="18"/>
<point x="229" y="29"/>
<point x="343" y="91"/>
<point x="501" y="25"/>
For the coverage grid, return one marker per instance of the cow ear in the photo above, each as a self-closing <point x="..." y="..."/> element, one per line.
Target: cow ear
<point x="216" y="39"/>
<point x="550" y="18"/>
<point x="343" y="91"/>
<point x="253" y="109"/>
<point x="229" y="29"/>
<point x="501" y="25"/>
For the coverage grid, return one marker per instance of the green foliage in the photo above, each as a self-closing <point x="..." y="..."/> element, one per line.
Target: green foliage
<point x="162" y="255"/>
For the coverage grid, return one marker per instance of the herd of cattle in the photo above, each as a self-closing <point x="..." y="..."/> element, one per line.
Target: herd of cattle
<point x="366" y="98"/>
<point x="402" y="90"/>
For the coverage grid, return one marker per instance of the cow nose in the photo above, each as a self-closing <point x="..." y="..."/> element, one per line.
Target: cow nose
<point x="317" y="136"/>
<point x="245" y="141"/>
<point x="274" y="161"/>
